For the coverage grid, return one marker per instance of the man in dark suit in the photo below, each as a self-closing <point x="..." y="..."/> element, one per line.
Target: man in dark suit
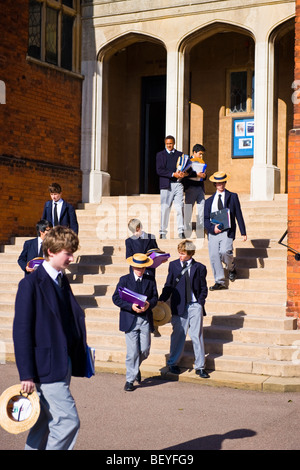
<point x="33" y="248"/>
<point x="136" y="322"/>
<point x="171" y="189"/>
<point x="50" y="343"/>
<point x="58" y="211"/>
<point x="186" y="282"/>
<point x="220" y="241"/>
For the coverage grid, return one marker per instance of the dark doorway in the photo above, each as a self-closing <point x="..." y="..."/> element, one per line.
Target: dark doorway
<point x="153" y="117"/>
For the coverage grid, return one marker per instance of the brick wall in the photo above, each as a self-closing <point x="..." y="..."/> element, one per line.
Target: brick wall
<point x="293" y="239"/>
<point x="39" y="132"/>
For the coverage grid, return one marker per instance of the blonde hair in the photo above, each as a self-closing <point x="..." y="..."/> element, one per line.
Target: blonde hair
<point x="134" y="224"/>
<point x="186" y="246"/>
<point x="60" y="238"/>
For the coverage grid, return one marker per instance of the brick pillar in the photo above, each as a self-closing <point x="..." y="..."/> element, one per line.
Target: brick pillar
<point x="293" y="266"/>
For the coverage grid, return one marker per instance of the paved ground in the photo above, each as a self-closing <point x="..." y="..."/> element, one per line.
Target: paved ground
<point x="173" y="416"/>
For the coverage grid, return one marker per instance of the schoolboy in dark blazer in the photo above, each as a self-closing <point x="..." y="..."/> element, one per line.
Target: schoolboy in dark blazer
<point x="32" y="248"/>
<point x="50" y="342"/>
<point x="188" y="291"/>
<point x="66" y="214"/>
<point x="137" y="323"/>
<point x="220" y="242"/>
<point x="140" y="241"/>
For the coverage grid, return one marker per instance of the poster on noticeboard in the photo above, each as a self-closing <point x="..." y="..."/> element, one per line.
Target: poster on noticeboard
<point x="243" y="138"/>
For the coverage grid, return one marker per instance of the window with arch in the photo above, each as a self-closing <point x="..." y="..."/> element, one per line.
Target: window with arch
<point x="240" y="91"/>
<point x="53" y="37"/>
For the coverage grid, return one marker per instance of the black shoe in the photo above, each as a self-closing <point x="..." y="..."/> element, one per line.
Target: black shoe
<point x="129" y="387"/>
<point x="202" y="373"/>
<point x="139" y="377"/>
<point x="232" y="275"/>
<point x="174" y="369"/>
<point x="181" y="235"/>
<point x="218" y="286"/>
<point x="162" y="236"/>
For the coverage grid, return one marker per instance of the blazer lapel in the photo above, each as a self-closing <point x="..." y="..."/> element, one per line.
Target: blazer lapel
<point x="48" y="290"/>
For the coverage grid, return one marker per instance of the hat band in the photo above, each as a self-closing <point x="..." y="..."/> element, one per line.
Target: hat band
<point x="220" y="177"/>
<point x="139" y="261"/>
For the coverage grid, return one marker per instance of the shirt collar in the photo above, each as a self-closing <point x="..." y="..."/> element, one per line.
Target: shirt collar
<point x="53" y="273"/>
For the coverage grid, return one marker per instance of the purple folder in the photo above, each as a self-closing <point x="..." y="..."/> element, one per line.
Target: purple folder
<point x="158" y="258"/>
<point x="35" y="262"/>
<point x="132" y="297"/>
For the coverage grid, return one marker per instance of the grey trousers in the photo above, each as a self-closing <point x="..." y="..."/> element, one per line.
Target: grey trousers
<point x="138" y="341"/>
<point x="58" y="424"/>
<point x="194" y="194"/>
<point x="220" y="248"/>
<point x="192" y="322"/>
<point x="167" y="197"/>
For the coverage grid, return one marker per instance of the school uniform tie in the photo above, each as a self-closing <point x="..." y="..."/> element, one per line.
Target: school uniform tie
<point x="188" y="290"/>
<point x="220" y="203"/>
<point x="139" y="286"/>
<point x="55" y="214"/>
<point x="41" y="251"/>
<point x="59" y="279"/>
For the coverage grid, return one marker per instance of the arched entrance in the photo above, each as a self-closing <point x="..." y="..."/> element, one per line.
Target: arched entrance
<point x="220" y="61"/>
<point x="134" y="100"/>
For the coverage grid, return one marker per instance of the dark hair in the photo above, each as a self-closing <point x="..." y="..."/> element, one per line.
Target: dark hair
<point x="42" y="225"/>
<point x="55" y="188"/>
<point x="170" y="137"/>
<point x="198" y="148"/>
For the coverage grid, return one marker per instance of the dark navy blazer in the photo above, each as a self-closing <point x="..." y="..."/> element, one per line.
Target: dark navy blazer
<point x="143" y="244"/>
<point x="127" y="315"/>
<point x="67" y="216"/>
<point x="39" y="339"/>
<point x="30" y="251"/>
<point x="164" y="170"/>
<point x="233" y="204"/>
<point x="198" y="284"/>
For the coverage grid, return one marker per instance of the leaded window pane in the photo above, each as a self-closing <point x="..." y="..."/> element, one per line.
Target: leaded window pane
<point x="51" y="35"/>
<point x="67" y="42"/>
<point x="238" y="92"/>
<point x="34" y="36"/>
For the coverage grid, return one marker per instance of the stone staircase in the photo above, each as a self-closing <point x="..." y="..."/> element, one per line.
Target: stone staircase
<point x="249" y="341"/>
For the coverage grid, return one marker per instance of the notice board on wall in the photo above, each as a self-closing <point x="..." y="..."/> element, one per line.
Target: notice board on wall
<point x="243" y="138"/>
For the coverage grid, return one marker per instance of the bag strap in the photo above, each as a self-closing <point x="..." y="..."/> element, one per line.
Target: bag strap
<point x="180" y="275"/>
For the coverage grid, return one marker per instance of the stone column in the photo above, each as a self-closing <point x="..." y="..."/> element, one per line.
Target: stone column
<point x="95" y="181"/>
<point x="263" y="172"/>
<point x="172" y="97"/>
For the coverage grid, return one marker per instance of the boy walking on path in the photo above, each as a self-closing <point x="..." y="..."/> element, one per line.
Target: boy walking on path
<point x="50" y="343"/>
<point x="186" y="282"/>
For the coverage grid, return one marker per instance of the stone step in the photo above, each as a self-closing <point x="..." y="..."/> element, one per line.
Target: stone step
<point x="247" y="334"/>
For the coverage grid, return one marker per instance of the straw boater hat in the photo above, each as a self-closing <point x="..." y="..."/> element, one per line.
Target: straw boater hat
<point x="139" y="260"/>
<point x="18" y="411"/>
<point x="219" y="177"/>
<point x="161" y="314"/>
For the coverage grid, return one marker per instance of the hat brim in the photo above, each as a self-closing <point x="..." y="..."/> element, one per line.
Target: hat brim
<point x="7" y="420"/>
<point x="161" y="314"/>
<point x="219" y="180"/>
<point x="139" y="265"/>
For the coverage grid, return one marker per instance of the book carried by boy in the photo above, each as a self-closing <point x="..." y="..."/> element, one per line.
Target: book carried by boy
<point x="157" y="256"/>
<point x="221" y="218"/>
<point x="132" y="297"/>
<point x="198" y="167"/>
<point x="183" y="163"/>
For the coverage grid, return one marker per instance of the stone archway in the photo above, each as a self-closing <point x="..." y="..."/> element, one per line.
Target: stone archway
<point x="210" y="55"/>
<point x="126" y="154"/>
